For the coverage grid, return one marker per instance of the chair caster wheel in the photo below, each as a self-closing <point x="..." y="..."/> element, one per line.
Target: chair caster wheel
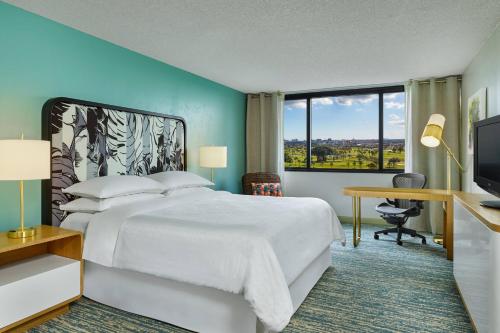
<point x="400" y="243"/>
<point x="375" y="236"/>
<point x="385" y="233"/>
<point x="424" y="241"/>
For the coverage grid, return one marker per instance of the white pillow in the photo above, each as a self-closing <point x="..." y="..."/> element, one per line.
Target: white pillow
<point x="179" y="179"/>
<point x="92" y="205"/>
<point x="113" y="186"/>
<point x="77" y="221"/>
<point x="187" y="191"/>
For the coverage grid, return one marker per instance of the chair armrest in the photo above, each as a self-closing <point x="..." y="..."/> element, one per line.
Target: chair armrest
<point x="420" y="203"/>
<point x="391" y="202"/>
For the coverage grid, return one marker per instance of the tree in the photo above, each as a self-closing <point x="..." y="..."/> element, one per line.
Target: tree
<point x="288" y="156"/>
<point x="391" y="163"/>
<point x="321" y="152"/>
<point x="360" y="158"/>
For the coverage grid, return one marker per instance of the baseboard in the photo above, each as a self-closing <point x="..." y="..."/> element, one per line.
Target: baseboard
<point x="364" y="220"/>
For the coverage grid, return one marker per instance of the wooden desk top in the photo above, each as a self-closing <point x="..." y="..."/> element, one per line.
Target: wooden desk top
<point x="399" y="193"/>
<point x="489" y="216"/>
<point x="44" y="234"/>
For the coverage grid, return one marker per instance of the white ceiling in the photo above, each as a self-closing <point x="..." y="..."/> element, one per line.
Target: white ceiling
<point x="289" y="45"/>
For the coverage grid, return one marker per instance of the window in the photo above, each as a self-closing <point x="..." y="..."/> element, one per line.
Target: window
<point x="356" y="130"/>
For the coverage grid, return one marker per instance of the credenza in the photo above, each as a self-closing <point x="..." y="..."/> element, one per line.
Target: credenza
<point x="476" y="264"/>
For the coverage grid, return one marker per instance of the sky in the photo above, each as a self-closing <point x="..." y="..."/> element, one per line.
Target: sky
<point x="346" y="117"/>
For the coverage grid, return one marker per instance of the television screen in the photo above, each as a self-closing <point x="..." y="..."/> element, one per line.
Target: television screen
<point x="487" y="154"/>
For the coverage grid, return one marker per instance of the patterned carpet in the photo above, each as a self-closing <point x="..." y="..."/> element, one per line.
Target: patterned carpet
<point x="377" y="287"/>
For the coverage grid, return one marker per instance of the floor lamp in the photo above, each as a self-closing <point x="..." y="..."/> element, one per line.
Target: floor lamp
<point x="432" y="137"/>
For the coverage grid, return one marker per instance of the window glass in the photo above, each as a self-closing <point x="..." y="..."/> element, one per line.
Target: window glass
<point x="394" y="130"/>
<point x="295" y="128"/>
<point x="345" y="131"/>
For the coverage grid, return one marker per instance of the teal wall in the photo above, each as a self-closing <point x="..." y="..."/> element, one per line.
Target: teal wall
<point x="482" y="72"/>
<point x="41" y="59"/>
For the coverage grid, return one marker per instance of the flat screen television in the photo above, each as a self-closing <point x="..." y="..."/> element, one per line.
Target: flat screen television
<point x="487" y="157"/>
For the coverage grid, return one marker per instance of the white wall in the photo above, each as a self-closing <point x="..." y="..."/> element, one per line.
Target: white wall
<point x="329" y="185"/>
<point x="483" y="71"/>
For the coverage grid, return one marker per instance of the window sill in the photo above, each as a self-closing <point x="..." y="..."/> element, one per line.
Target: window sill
<point x="385" y="171"/>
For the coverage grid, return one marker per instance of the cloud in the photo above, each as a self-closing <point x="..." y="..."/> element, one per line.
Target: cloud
<point x="396" y="120"/>
<point x="394" y="105"/>
<point x="323" y="101"/>
<point x="391" y="96"/>
<point x="296" y="105"/>
<point x="357" y="99"/>
<point x="394" y="134"/>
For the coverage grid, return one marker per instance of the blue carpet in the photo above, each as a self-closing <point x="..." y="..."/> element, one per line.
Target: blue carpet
<point x="376" y="287"/>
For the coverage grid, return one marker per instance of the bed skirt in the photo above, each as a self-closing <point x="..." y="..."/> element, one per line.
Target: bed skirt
<point x="201" y="309"/>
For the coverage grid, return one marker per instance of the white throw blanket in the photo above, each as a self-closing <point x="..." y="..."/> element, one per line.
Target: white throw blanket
<point x="251" y="245"/>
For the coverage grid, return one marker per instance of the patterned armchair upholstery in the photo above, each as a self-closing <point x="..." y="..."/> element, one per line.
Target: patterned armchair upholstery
<point x="258" y="177"/>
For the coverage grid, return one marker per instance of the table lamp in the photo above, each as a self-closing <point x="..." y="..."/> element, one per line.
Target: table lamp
<point x="213" y="157"/>
<point x="433" y="136"/>
<point x="24" y="160"/>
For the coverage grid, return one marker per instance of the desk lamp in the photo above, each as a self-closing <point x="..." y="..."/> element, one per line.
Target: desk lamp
<point x="213" y="157"/>
<point x="24" y="160"/>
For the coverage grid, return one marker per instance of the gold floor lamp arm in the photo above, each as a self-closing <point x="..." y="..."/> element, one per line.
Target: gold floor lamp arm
<point x="452" y="155"/>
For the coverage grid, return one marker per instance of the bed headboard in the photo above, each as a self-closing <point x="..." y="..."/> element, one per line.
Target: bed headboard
<point x="92" y="140"/>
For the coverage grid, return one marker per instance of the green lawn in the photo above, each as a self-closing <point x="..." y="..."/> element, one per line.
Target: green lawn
<point x="345" y="158"/>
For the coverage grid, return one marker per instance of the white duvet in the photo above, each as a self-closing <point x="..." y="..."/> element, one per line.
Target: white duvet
<point x="251" y="245"/>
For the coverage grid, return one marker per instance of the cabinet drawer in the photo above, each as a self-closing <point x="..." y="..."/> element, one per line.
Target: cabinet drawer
<point x="36" y="284"/>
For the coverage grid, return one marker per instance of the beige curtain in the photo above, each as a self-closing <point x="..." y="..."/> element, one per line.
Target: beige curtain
<point x="423" y="99"/>
<point x="264" y="137"/>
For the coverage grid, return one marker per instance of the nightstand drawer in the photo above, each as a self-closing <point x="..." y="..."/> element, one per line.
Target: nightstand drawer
<point x="35" y="284"/>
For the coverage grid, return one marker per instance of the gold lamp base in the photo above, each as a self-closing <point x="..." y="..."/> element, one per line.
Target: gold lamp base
<point x="21" y="233"/>
<point x="438" y="239"/>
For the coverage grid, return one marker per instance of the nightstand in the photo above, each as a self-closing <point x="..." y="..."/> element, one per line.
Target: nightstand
<point x="39" y="276"/>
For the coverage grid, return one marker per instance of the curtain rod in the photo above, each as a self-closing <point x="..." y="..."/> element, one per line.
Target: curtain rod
<point x="440" y="80"/>
<point x="265" y="94"/>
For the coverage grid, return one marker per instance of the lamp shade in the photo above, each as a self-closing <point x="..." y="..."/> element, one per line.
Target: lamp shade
<point x="433" y="131"/>
<point x="24" y="159"/>
<point x="213" y="157"/>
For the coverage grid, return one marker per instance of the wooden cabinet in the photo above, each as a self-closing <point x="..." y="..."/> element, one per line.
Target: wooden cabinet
<point x="39" y="277"/>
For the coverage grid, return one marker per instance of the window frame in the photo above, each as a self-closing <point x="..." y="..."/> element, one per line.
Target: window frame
<point x="380" y="91"/>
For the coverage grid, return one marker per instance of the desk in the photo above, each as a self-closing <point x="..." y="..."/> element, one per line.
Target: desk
<point x="425" y="194"/>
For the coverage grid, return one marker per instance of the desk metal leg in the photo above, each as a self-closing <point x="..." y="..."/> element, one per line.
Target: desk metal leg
<point x="445" y="219"/>
<point x="356" y="220"/>
<point x="448" y="236"/>
<point x="358" y="205"/>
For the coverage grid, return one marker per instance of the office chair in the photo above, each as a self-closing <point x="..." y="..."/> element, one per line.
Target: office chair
<point x="398" y="211"/>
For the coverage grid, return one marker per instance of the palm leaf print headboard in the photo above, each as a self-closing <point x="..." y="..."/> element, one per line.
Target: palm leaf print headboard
<point x="92" y="140"/>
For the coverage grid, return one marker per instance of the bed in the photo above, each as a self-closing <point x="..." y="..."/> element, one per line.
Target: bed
<point x="207" y="261"/>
